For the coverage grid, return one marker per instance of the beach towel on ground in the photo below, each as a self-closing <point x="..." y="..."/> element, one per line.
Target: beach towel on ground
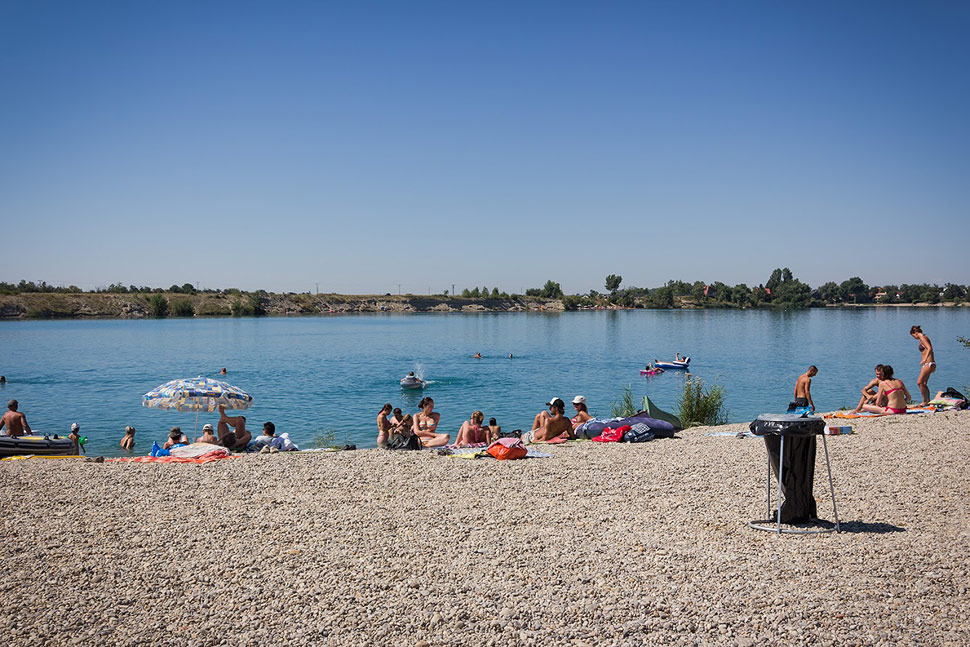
<point x="869" y="414"/>
<point x="200" y="460"/>
<point x="196" y="449"/>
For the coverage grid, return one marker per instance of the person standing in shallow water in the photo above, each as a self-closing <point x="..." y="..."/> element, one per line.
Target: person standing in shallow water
<point x="927" y="363"/>
<point x="14" y="421"/>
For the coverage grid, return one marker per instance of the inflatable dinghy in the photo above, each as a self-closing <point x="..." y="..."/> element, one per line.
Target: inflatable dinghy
<point x="674" y="364"/>
<point x="36" y="445"/>
<point x="413" y="383"/>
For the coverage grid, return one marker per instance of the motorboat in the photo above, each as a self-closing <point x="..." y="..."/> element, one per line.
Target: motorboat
<point x="36" y="445"/>
<point x="683" y="364"/>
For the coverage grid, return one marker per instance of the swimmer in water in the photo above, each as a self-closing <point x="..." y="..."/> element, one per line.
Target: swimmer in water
<point x="477" y="355"/>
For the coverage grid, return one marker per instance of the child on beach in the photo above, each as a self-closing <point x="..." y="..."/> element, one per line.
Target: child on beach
<point x="494" y="430"/>
<point x="128" y="442"/>
<point x="383" y="425"/>
<point x="75" y="437"/>
<point x="471" y="432"/>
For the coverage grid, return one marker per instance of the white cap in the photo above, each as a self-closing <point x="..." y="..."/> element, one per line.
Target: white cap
<point x="75" y="426"/>
<point x="553" y="400"/>
<point x="579" y="400"/>
<point x="206" y="427"/>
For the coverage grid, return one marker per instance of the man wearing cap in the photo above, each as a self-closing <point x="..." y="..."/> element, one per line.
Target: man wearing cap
<point x="548" y="425"/>
<point x="207" y="436"/>
<point x="14" y="421"/>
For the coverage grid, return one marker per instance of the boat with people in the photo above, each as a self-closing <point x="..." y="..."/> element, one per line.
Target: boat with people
<point x="36" y="445"/>
<point x="679" y="363"/>
<point x="412" y="381"/>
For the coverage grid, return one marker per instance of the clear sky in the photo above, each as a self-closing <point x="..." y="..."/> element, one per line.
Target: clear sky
<point x="362" y="145"/>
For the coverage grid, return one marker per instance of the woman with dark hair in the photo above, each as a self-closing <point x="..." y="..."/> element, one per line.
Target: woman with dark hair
<point x="927" y="363"/>
<point x="893" y="390"/>
<point x="426" y="425"/>
<point x="869" y="390"/>
<point x="383" y="425"/>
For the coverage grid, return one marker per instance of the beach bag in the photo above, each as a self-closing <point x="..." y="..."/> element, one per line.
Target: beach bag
<point x="400" y="441"/>
<point x="639" y="433"/>
<point x="515" y="433"/>
<point x="956" y="395"/>
<point x="611" y="435"/>
<point x="506" y="449"/>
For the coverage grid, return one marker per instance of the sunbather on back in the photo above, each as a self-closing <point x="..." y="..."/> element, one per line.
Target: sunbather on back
<point x="240" y="436"/>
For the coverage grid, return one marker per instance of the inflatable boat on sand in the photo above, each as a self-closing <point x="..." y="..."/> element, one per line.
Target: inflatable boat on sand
<point x="36" y="445"/>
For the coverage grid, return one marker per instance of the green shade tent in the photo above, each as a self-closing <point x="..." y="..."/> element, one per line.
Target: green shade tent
<point x="657" y="413"/>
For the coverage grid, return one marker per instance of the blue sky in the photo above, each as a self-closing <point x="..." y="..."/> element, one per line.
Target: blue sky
<point x="365" y="145"/>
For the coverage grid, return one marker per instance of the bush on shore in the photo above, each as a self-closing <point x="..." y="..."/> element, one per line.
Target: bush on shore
<point x="700" y="406"/>
<point x="158" y="305"/>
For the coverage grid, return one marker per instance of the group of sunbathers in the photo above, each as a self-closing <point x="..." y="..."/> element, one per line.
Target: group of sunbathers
<point x="393" y="425"/>
<point x="886" y="394"/>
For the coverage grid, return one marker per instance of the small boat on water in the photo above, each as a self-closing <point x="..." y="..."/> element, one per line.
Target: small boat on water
<point x="676" y="364"/>
<point x="413" y="382"/>
<point x="36" y="445"/>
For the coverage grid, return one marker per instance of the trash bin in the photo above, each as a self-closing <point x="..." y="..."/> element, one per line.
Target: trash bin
<point x="790" y="442"/>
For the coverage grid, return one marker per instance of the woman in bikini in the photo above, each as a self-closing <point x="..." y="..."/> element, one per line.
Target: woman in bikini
<point x="893" y="390"/>
<point x="927" y="363"/>
<point x="472" y="432"/>
<point x="383" y="425"/>
<point x="582" y="413"/>
<point x="426" y="425"/>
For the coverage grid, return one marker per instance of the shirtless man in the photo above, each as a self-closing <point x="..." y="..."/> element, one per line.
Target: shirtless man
<point x="207" y="436"/>
<point x="14" y="421"/>
<point x="547" y="426"/>
<point x="871" y="390"/>
<point x="239" y="437"/>
<point x="803" y="388"/>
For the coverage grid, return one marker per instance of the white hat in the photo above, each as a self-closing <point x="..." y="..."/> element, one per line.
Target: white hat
<point x="579" y="400"/>
<point x="206" y="427"/>
<point x="553" y="400"/>
<point x="75" y="426"/>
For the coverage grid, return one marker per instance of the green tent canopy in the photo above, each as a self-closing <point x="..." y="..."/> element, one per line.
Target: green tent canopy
<point x="659" y="414"/>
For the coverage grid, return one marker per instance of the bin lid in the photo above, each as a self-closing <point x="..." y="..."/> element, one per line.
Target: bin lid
<point x="786" y="424"/>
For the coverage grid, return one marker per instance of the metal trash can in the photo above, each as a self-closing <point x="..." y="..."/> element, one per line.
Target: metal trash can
<point x="790" y="442"/>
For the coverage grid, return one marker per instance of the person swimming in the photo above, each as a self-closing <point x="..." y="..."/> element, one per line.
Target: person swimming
<point x="477" y="355"/>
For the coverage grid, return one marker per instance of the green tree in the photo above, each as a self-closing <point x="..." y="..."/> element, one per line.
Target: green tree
<point x="495" y="293"/>
<point x="475" y="293"/>
<point x="613" y="283"/>
<point x="158" y="305"/>
<point x="855" y="290"/>
<point x="663" y="297"/>
<point x="829" y="292"/>
<point x="551" y="290"/>
<point x="741" y="295"/>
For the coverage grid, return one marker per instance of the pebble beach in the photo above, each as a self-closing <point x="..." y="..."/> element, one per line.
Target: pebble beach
<point x="643" y="544"/>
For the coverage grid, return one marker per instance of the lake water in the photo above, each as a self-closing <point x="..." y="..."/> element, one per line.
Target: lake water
<point x="315" y="373"/>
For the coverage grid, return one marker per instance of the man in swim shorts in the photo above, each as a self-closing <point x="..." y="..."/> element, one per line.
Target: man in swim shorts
<point x="554" y="423"/>
<point x="803" y="389"/>
<point x="239" y="437"/>
<point x="14" y="421"/>
<point x="870" y="392"/>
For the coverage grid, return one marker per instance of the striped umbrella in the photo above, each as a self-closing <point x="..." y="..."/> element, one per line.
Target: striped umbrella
<point x="196" y="394"/>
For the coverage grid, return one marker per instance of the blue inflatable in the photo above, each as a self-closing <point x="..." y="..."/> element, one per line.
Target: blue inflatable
<point x="593" y="428"/>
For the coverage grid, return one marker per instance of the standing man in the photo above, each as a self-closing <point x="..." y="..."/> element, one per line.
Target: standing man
<point x="803" y="389"/>
<point x="14" y="421"/>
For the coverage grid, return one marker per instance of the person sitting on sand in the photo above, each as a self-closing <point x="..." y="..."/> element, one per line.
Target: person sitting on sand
<point x="582" y="413"/>
<point x="894" y="391"/>
<point x="803" y="389"/>
<point x="871" y="390"/>
<point x="14" y="421"/>
<point x="175" y="438"/>
<point x="548" y="425"/>
<point x="927" y="363"/>
<point x="207" y="435"/>
<point x="75" y="437"/>
<point x="128" y="442"/>
<point x="426" y="425"/>
<point x="238" y="438"/>
<point x="384" y="426"/>
<point x="493" y="431"/>
<point x="472" y="432"/>
<point x="269" y="438"/>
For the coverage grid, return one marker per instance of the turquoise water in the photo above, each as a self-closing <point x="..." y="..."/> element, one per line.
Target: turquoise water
<point x="315" y="373"/>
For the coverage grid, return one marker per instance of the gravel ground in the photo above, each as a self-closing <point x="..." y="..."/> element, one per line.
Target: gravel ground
<point x="600" y="545"/>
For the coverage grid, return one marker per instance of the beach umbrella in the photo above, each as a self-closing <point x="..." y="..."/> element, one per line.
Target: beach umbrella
<point x="196" y="394"/>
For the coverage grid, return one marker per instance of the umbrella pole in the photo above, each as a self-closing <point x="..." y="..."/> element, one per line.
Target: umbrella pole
<point x="195" y="432"/>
